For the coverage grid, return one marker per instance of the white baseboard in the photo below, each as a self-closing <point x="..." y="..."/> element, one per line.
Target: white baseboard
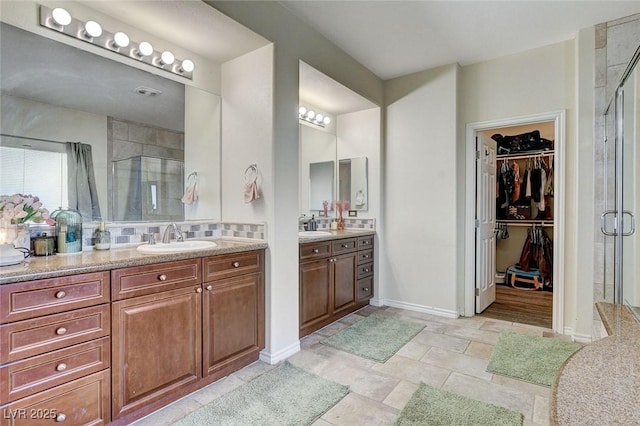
<point x="376" y="302"/>
<point x="420" y="308"/>
<point x="577" y="337"/>
<point x="281" y="355"/>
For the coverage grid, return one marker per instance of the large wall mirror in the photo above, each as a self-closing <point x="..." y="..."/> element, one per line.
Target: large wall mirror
<point x="134" y="121"/>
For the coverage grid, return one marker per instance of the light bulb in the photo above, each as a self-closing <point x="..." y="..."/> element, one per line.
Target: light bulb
<point x="187" y="65"/>
<point x="311" y="114"/>
<point x="120" y="39"/>
<point x="319" y="117"/>
<point x="166" y="58"/>
<point x="92" y="29"/>
<point x="302" y="110"/>
<point x="61" y="17"/>
<point x="145" y="49"/>
<point x="326" y="120"/>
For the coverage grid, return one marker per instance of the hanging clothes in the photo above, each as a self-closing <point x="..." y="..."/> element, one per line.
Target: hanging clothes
<point x="515" y="170"/>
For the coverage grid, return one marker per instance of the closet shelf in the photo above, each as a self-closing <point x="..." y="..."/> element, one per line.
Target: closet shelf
<point x="526" y="222"/>
<point x="528" y="154"/>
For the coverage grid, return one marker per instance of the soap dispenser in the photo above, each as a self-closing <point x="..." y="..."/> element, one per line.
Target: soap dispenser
<point x="313" y="225"/>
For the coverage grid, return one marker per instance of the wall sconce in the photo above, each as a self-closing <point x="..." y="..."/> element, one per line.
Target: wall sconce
<point x="60" y="20"/>
<point x="313" y="117"/>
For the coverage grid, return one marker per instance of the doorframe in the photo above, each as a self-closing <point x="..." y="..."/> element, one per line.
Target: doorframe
<point x="559" y="119"/>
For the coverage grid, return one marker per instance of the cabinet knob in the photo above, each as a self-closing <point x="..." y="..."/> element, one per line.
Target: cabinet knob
<point x="365" y="242"/>
<point x="332" y="259"/>
<point x="162" y="277"/>
<point x="365" y="288"/>
<point x="316" y="250"/>
<point x="198" y="290"/>
<point x="61" y="367"/>
<point x="60" y="331"/>
<point x="345" y="245"/>
<point x="365" y="256"/>
<point x="61" y="417"/>
<point x="236" y="264"/>
<point x="61" y="294"/>
<point x="365" y="270"/>
<point x="209" y="287"/>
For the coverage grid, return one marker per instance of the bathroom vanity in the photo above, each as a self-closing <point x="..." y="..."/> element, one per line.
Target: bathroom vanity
<point x="102" y="337"/>
<point x="336" y="277"/>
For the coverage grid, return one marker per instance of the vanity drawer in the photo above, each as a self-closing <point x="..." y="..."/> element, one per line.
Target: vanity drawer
<point x="26" y="377"/>
<point x="365" y="289"/>
<point x="345" y="245"/>
<point x="365" y="242"/>
<point x="231" y="265"/>
<point x="84" y="401"/>
<point x="143" y="280"/>
<point x="36" y="336"/>
<point x="365" y="256"/>
<point x="31" y="299"/>
<point x="365" y="270"/>
<point x="315" y="250"/>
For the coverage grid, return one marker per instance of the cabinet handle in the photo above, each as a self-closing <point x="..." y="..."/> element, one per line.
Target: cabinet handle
<point x="365" y="242"/>
<point x="60" y="331"/>
<point x="61" y="417"/>
<point x="236" y="264"/>
<point x="365" y="288"/>
<point x="365" y="256"/>
<point x="365" y="270"/>
<point x="162" y="277"/>
<point x="61" y="367"/>
<point x="198" y="290"/>
<point x="316" y="251"/>
<point x="345" y="246"/>
<point x="61" y="294"/>
<point x="209" y="287"/>
<point x="332" y="259"/>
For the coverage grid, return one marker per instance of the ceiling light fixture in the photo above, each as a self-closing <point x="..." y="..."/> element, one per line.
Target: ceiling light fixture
<point x="60" y="20"/>
<point x="313" y="117"/>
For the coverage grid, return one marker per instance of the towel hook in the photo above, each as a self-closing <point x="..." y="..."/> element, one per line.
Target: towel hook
<point x="253" y="168"/>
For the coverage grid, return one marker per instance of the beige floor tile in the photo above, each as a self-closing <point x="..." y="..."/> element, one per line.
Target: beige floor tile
<point x="311" y="340"/>
<point x="522" y="386"/>
<point x="254" y="370"/>
<point x="364" y="382"/>
<point x="336" y="356"/>
<point x="413" y="371"/>
<point x="355" y="410"/>
<point x="321" y="422"/>
<point x="332" y="328"/>
<point x="497" y="325"/>
<point x="413" y="350"/>
<point x="169" y="414"/>
<point x="493" y="393"/>
<point x="438" y="340"/>
<point x="541" y="410"/>
<point x="400" y="395"/>
<point x="217" y="389"/>
<point x="309" y="360"/>
<point x="458" y="362"/>
<point x="479" y="350"/>
<point x="477" y="335"/>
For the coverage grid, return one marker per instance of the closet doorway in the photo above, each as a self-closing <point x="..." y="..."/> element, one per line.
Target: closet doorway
<point x="516" y="211"/>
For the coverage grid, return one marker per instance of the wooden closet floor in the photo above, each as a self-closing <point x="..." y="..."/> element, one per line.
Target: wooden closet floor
<point x="525" y="307"/>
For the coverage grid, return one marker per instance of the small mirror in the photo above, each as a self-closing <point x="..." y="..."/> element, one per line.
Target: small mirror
<point x="321" y="184"/>
<point x="352" y="182"/>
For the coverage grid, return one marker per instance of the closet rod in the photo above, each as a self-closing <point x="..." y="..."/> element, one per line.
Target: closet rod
<point x="527" y="224"/>
<point x="523" y="156"/>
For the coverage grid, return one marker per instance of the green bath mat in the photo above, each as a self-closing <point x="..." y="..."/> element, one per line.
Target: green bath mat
<point x="286" y="395"/>
<point x="533" y="359"/>
<point x="434" y="407"/>
<point x="376" y="337"/>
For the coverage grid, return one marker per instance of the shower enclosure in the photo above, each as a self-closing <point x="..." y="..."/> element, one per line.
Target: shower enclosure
<point x="147" y="188"/>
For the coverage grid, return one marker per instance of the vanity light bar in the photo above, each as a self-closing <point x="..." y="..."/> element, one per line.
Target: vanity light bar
<point x="313" y="117"/>
<point x="58" y="19"/>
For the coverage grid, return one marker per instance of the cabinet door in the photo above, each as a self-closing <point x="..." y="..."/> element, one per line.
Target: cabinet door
<point x="315" y="300"/>
<point x="233" y="323"/>
<point x="156" y="347"/>
<point x="344" y="280"/>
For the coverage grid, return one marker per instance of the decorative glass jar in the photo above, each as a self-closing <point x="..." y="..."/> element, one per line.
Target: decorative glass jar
<point x="68" y="231"/>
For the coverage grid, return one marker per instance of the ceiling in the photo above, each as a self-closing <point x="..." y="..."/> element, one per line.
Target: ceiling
<point x="395" y="38"/>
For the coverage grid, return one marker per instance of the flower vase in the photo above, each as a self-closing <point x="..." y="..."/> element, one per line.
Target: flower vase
<point x="340" y="222"/>
<point x="23" y="238"/>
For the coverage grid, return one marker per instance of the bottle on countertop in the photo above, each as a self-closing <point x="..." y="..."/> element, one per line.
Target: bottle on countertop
<point x="103" y="237"/>
<point x="313" y="225"/>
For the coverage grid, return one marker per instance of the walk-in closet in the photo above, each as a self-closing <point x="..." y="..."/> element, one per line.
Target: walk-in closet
<point x="524" y="222"/>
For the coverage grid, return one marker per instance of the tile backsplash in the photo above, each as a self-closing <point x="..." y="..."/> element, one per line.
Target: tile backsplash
<point x="349" y="223"/>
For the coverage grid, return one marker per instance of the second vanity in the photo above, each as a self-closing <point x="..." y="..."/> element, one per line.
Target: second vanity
<point x="102" y="337"/>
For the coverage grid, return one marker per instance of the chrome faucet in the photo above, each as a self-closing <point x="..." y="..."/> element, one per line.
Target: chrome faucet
<point x="166" y="237"/>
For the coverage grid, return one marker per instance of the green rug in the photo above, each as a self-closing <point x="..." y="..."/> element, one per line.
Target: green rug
<point x="434" y="407"/>
<point x="533" y="359"/>
<point x="285" y="395"/>
<point x="376" y="337"/>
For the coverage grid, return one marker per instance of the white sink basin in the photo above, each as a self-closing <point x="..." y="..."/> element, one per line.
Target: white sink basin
<point x="176" y="247"/>
<point x="314" y="234"/>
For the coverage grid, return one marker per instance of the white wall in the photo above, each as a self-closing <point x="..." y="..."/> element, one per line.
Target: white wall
<point x="359" y="135"/>
<point x="418" y="265"/>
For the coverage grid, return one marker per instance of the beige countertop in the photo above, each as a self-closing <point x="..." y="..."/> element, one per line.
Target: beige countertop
<point x="336" y="235"/>
<point x="600" y="384"/>
<point x="102" y="260"/>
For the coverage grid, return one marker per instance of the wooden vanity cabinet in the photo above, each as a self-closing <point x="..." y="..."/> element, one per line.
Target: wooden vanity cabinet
<point x="56" y="351"/>
<point x="331" y="277"/>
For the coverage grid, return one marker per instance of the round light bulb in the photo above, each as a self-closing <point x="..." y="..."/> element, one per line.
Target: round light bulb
<point x="326" y="120"/>
<point x="61" y="16"/>
<point x="319" y="117"/>
<point x="187" y="65"/>
<point x="167" y="57"/>
<point x="93" y="29"/>
<point x="311" y="114"/>
<point x="302" y="110"/>
<point x="120" y="39"/>
<point x="145" y="48"/>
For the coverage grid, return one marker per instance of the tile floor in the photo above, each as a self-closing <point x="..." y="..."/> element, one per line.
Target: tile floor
<point x="451" y="354"/>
